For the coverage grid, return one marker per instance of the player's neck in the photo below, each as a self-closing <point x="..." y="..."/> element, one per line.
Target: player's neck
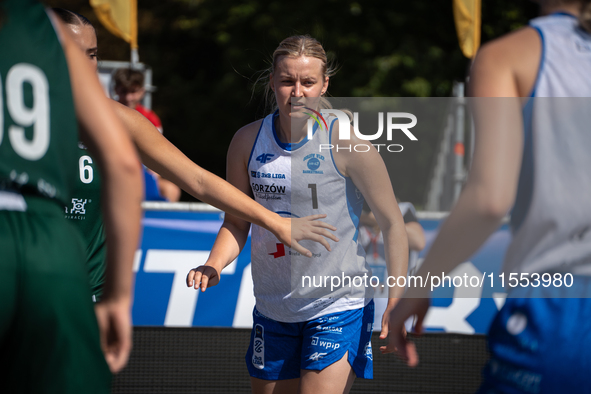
<point x="573" y="9"/>
<point x="286" y="134"/>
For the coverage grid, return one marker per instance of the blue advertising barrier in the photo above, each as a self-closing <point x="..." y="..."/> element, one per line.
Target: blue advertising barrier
<point x="175" y="241"/>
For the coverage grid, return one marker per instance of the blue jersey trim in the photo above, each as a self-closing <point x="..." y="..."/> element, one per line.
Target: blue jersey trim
<point x="526" y="174"/>
<point x="255" y="143"/>
<point x="331" y="156"/>
<point x="542" y="61"/>
<point x="287" y="145"/>
<point x="354" y="204"/>
<point x="563" y="13"/>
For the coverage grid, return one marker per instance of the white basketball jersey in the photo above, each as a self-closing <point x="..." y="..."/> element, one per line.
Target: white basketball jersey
<point x="551" y="220"/>
<point x="297" y="180"/>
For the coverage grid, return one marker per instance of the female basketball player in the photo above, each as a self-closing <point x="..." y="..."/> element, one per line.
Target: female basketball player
<point x="161" y="156"/>
<point x="306" y="341"/>
<point x="48" y="330"/>
<point x="534" y="157"/>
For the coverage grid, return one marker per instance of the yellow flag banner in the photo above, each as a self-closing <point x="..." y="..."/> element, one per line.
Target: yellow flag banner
<point x="119" y="17"/>
<point x="467" y="17"/>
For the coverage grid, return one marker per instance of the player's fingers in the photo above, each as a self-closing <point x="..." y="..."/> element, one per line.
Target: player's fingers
<point x="315" y="217"/>
<point x="326" y="234"/>
<point x="190" y="277"/>
<point x="197" y="279"/>
<point x="419" y="323"/>
<point x="411" y="355"/>
<point x="204" y="281"/>
<point x="320" y="223"/>
<point x="320" y="239"/>
<point x="300" y="249"/>
<point x="384" y="332"/>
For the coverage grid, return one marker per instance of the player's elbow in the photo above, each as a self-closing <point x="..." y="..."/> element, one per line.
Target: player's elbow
<point x="495" y="206"/>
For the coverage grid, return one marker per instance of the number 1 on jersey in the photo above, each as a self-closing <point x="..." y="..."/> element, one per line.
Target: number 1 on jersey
<point x="314" y="195"/>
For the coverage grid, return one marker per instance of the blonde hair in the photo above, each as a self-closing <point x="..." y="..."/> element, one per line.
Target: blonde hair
<point x="296" y="46"/>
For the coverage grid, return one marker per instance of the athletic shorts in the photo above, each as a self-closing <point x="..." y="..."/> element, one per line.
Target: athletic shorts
<point x="280" y="351"/>
<point x="49" y="338"/>
<point x="541" y="345"/>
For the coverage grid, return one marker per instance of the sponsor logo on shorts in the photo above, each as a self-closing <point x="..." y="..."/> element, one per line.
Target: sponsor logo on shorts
<point x="325" y="343"/>
<point x="336" y="330"/>
<point x="258" y="347"/>
<point x="327" y="319"/>
<point x="367" y="351"/>
<point x="316" y="356"/>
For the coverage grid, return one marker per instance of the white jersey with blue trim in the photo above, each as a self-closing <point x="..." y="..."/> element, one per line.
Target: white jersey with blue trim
<point x="551" y="219"/>
<point x="297" y="180"/>
<point x="566" y="56"/>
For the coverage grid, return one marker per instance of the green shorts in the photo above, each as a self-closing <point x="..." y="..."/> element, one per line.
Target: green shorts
<point x="49" y="338"/>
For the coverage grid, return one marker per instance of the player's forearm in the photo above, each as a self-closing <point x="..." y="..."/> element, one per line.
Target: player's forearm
<point x="470" y="223"/>
<point x="167" y="160"/>
<point x="227" y="246"/>
<point x="396" y="253"/>
<point x="122" y="193"/>
<point x="221" y="194"/>
<point x="416" y="236"/>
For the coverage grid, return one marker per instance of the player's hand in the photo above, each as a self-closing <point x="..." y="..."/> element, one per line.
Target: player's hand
<point x="114" y="321"/>
<point x="393" y="327"/>
<point x="203" y="277"/>
<point x="291" y="231"/>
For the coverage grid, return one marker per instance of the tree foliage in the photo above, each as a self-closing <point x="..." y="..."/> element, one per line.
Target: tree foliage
<point x="207" y="55"/>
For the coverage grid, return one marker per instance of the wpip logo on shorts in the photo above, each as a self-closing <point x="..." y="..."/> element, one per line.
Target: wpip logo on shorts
<point x="325" y="343"/>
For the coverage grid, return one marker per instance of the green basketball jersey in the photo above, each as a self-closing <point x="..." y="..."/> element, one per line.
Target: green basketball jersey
<point x="84" y="211"/>
<point x="38" y="128"/>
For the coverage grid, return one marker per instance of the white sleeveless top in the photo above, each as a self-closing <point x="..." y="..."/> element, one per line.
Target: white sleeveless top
<point x="297" y="180"/>
<point x="551" y="219"/>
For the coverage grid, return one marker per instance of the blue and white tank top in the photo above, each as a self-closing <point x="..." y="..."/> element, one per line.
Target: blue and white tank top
<point x="551" y="219"/>
<point x="297" y="180"/>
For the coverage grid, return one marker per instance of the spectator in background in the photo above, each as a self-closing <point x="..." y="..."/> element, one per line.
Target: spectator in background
<point x="130" y="89"/>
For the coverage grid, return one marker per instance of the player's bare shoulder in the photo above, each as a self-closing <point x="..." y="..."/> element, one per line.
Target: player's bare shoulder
<point x="514" y="58"/>
<point x="243" y="141"/>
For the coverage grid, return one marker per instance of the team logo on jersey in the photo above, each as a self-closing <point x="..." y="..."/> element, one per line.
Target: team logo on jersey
<point x="317" y="116"/>
<point x="258" y="347"/>
<point x="264" y="157"/>
<point x="313" y="162"/>
<point x="78" y="209"/>
<point x="78" y="206"/>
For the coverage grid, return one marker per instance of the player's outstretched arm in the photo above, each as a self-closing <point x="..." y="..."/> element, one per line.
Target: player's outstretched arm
<point x="163" y="157"/>
<point x="368" y="172"/>
<point x="492" y="184"/>
<point x="122" y="195"/>
<point x="234" y="231"/>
